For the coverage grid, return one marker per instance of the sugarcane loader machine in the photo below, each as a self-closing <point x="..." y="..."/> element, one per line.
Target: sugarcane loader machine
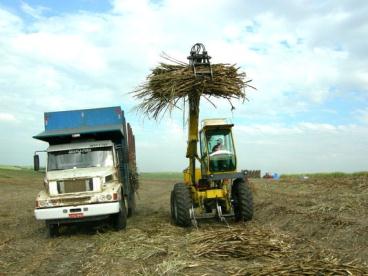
<point x="216" y="189"/>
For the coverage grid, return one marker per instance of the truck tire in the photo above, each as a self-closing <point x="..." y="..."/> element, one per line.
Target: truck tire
<point x="172" y="206"/>
<point x="181" y="202"/>
<point x="242" y="197"/>
<point x="53" y="230"/>
<point x="119" y="220"/>
<point x="131" y="205"/>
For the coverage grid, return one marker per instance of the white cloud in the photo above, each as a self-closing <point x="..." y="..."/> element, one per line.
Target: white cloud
<point x="305" y="147"/>
<point x="67" y="50"/>
<point x="6" y="117"/>
<point x="298" y="129"/>
<point x="362" y="115"/>
<point x="161" y="146"/>
<point x="34" y="12"/>
<point x="294" y="52"/>
<point x="8" y="22"/>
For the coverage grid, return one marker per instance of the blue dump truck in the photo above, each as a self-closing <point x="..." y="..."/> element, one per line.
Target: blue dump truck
<point x="91" y="171"/>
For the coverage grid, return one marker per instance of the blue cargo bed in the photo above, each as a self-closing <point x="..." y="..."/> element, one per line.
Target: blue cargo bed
<point x="98" y="123"/>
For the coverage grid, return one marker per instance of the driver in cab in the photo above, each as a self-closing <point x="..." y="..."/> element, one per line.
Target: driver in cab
<point x="218" y="146"/>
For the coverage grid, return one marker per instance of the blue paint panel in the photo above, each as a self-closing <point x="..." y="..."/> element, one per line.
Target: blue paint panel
<point x="103" y="116"/>
<point x="73" y="119"/>
<point x="62" y="120"/>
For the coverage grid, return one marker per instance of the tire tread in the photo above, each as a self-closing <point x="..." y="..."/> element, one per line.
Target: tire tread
<point x="243" y="197"/>
<point x="182" y="199"/>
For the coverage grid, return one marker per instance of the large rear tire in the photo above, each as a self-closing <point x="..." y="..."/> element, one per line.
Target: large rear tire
<point x="181" y="202"/>
<point x="119" y="220"/>
<point x="242" y="200"/>
<point x="172" y="208"/>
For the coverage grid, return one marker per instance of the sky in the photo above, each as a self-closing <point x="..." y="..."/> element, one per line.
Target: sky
<point x="307" y="60"/>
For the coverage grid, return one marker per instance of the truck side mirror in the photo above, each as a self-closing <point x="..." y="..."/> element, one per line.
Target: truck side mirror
<point x="36" y="162"/>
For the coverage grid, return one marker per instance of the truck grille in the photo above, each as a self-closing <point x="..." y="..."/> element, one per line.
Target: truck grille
<point x="71" y="201"/>
<point x="75" y="186"/>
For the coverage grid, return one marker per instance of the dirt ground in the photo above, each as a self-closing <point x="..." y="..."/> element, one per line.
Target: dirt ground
<point x="318" y="224"/>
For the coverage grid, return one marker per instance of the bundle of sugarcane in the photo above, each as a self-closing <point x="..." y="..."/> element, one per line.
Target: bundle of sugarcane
<point x="240" y="243"/>
<point x="169" y="83"/>
<point x="295" y="267"/>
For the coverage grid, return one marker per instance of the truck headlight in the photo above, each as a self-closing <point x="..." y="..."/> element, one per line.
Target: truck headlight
<point x="42" y="203"/>
<point x="105" y="197"/>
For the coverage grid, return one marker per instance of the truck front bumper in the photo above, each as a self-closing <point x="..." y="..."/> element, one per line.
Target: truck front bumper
<point x="78" y="212"/>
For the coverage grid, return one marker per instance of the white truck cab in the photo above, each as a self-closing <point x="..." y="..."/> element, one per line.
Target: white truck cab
<point x="85" y="178"/>
<point x="79" y="174"/>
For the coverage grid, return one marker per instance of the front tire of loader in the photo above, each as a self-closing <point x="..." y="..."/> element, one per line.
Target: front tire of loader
<point x="242" y="200"/>
<point x="181" y="202"/>
<point x="119" y="220"/>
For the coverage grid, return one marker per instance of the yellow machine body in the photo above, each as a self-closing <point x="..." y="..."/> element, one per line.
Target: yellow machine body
<point x="200" y="194"/>
<point x="188" y="177"/>
<point x="203" y="189"/>
<point x="213" y="190"/>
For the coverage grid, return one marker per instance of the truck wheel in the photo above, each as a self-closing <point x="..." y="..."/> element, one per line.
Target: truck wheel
<point x="181" y="202"/>
<point x="119" y="220"/>
<point x="53" y="230"/>
<point x="242" y="200"/>
<point x="172" y="209"/>
<point x="131" y="205"/>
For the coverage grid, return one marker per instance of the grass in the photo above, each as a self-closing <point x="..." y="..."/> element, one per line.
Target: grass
<point x="18" y="172"/>
<point x="9" y="167"/>
<point x="325" y="175"/>
<point x="161" y="175"/>
<point x="7" y="170"/>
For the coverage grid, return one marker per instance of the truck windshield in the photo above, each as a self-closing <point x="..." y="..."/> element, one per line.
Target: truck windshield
<point x="80" y="158"/>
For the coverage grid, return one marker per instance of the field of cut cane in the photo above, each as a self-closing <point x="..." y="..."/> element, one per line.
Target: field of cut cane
<point x="314" y="226"/>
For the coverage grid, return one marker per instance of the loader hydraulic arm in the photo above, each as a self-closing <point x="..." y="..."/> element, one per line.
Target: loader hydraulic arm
<point x="193" y="133"/>
<point x="200" y="62"/>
